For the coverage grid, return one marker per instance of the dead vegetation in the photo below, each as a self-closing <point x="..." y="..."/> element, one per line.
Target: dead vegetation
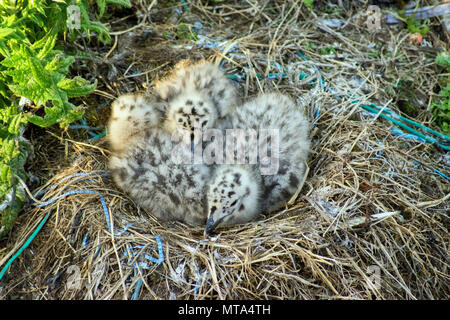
<point x="371" y="221"/>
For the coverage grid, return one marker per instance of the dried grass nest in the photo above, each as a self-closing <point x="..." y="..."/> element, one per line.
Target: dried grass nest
<point x="361" y="228"/>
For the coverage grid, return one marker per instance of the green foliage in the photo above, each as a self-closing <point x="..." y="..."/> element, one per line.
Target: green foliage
<point x="440" y="107"/>
<point x="33" y="67"/>
<point x="443" y="59"/>
<point x="184" y="31"/>
<point x="309" y="3"/>
<point x="325" y="51"/>
<point x="102" y="5"/>
<point x="414" y="26"/>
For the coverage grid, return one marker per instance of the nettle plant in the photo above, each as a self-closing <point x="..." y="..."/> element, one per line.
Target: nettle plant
<point x="33" y="71"/>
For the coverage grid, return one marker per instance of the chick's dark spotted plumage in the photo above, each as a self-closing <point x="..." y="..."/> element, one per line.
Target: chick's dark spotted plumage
<point x="259" y="191"/>
<point x="153" y="166"/>
<point x="198" y="96"/>
<point x="154" y="170"/>
<point x="131" y="115"/>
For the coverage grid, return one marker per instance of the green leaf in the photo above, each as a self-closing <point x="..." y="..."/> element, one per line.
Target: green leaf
<point x="4" y="32"/>
<point x="9" y="216"/>
<point x="100" y="29"/>
<point x="77" y="87"/>
<point x="10" y="20"/>
<point x="39" y="73"/>
<point x="52" y="115"/>
<point x="37" y="19"/>
<point x="4" y="51"/>
<point x="46" y="44"/>
<point x="125" y="3"/>
<point x="102" y="6"/>
<point x="5" y="173"/>
<point x="309" y="3"/>
<point x="443" y="59"/>
<point x="60" y="62"/>
<point x="73" y="114"/>
<point x="31" y="67"/>
<point x="15" y="124"/>
<point x="414" y="26"/>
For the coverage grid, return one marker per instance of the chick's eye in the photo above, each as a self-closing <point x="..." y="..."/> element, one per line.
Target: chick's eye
<point x="234" y="202"/>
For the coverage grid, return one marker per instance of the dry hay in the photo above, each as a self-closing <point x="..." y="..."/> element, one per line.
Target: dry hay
<point x="371" y="221"/>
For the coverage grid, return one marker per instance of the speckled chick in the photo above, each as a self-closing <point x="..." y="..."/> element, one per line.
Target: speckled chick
<point x="238" y="193"/>
<point x="131" y="115"/>
<point x="156" y="172"/>
<point x="198" y="95"/>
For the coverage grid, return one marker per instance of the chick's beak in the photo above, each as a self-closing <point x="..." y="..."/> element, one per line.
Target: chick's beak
<point x="217" y="217"/>
<point x="211" y="224"/>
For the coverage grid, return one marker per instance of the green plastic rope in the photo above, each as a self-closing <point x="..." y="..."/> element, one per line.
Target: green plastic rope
<point x="25" y="245"/>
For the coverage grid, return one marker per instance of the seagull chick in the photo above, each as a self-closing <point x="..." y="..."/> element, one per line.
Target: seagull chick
<point x="155" y="171"/>
<point x="197" y="96"/>
<point x="238" y="193"/>
<point x="234" y="196"/>
<point x="131" y="114"/>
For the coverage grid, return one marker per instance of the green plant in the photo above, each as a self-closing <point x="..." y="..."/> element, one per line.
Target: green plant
<point x="440" y="107"/>
<point x="309" y="3"/>
<point x="184" y="31"/>
<point x="32" y="66"/>
<point x="415" y="26"/>
<point x="324" y="51"/>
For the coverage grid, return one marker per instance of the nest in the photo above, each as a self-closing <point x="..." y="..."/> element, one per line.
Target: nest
<point x="361" y="228"/>
<point x="370" y="222"/>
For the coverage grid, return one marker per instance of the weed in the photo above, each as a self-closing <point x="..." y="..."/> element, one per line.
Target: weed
<point x="414" y="26"/>
<point x="33" y="71"/>
<point x="440" y="106"/>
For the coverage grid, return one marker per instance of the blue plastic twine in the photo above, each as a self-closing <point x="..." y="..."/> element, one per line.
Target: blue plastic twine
<point x="41" y="224"/>
<point x="102" y="200"/>
<point x="395" y="118"/>
<point x="435" y="170"/>
<point x="130" y="253"/>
